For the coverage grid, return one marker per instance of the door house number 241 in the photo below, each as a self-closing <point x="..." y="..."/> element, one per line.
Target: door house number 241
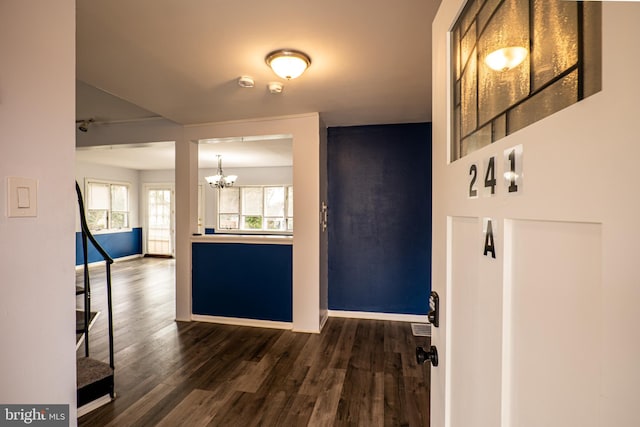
<point x="486" y="182"/>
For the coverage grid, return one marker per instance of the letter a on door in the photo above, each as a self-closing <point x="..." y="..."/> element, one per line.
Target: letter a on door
<point x="489" y="246"/>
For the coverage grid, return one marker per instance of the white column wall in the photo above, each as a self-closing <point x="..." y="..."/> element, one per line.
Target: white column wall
<point x="305" y="130"/>
<point x="37" y="255"/>
<point x="186" y="221"/>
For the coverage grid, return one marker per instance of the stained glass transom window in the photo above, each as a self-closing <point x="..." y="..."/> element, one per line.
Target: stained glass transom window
<point x="515" y="62"/>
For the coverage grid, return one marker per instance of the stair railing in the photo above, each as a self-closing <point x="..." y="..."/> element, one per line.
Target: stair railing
<point x="87" y="237"/>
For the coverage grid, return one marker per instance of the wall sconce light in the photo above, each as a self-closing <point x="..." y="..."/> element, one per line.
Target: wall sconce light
<point x="506" y="58"/>
<point x="288" y="63"/>
<point x="220" y="180"/>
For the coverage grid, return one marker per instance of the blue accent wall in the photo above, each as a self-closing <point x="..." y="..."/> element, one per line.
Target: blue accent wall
<point x="251" y="281"/>
<point x="379" y="197"/>
<point x="117" y="245"/>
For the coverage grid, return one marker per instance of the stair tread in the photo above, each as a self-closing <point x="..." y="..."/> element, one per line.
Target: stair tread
<point x="90" y="371"/>
<point x="80" y="320"/>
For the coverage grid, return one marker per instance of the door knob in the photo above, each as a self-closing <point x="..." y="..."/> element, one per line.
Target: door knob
<point x="431" y="355"/>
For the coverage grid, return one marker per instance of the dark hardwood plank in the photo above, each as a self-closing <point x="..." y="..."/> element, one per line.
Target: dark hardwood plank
<point x="357" y="372"/>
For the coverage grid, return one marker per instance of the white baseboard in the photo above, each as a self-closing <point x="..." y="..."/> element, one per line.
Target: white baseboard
<point x="92" y="406"/>
<point x="323" y="319"/>
<point x="418" y="318"/>
<point x="242" y="321"/>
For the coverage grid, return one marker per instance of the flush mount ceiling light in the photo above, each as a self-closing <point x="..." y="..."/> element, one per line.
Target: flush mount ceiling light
<point x="506" y="58"/>
<point x="288" y="63"/>
<point x="219" y="180"/>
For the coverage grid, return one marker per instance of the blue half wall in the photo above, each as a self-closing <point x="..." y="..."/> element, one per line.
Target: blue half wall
<point x="117" y="245"/>
<point x="379" y="191"/>
<point x="251" y="281"/>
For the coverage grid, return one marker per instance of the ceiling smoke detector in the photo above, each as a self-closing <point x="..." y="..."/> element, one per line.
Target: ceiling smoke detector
<point x="246" y="81"/>
<point x="275" y="87"/>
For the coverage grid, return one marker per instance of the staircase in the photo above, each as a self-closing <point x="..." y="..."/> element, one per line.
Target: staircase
<point x="95" y="379"/>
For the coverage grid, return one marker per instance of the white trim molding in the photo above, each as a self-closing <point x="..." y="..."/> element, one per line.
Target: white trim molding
<point x="242" y="321"/>
<point x="396" y="317"/>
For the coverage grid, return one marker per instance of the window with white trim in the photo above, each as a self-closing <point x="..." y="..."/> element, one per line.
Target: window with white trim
<point x="256" y="208"/>
<point x="107" y="205"/>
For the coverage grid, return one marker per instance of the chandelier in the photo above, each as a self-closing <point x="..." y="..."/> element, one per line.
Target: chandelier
<point x="219" y="180"/>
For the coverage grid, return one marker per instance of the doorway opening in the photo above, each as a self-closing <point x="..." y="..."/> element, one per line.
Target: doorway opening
<point x="159" y="219"/>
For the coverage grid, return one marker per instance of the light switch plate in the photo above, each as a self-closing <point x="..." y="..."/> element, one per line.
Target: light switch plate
<point x="22" y="195"/>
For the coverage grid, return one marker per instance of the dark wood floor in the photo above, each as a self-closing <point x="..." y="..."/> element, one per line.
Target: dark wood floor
<point x="355" y="373"/>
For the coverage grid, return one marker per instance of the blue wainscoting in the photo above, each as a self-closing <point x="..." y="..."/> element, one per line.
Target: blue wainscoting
<point x="117" y="245"/>
<point x="250" y="281"/>
<point x="379" y="190"/>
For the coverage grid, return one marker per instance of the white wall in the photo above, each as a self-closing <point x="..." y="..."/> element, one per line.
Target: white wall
<point x="580" y="165"/>
<point x="157" y="176"/>
<point x="37" y="255"/>
<point x="110" y="173"/>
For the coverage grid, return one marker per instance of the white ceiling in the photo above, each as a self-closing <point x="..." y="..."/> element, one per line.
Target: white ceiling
<point x="371" y="59"/>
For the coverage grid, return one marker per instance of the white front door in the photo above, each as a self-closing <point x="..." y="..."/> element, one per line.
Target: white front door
<point x="539" y="288"/>
<point x="159" y="230"/>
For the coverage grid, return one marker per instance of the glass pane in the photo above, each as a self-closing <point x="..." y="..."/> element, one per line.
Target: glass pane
<point x="555" y="41"/>
<point x="119" y="197"/>
<point x="274" y="201"/>
<point x="469" y="14"/>
<point x="290" y="224"/>
<point x="476" y="140"/>
<point x="469" y="101"/>
<point x="97" y="219"/>
<point x="119" y="220"/>
<point x="251" y="201"/>
<point x="159" y="208"/>
<point x="467" y="48"/>
<point x="98" y="197"/>
<point x="455" y="55"/>
<point x="229" y="222"/>
<point x="485" y="13"/>
<point x="499" y="128"/>
<point x="592" y="78"/>
<point x="559" y="95"/>
<point x="275" y="223"/>
<point x="498" y="90"/>
<point x="252" y="222"/>
<point x="290" y="201"/>
<point x="229" y="200"/>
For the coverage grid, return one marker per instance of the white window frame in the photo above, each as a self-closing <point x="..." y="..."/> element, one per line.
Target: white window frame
<point x="288" y="220"/>
<point x="110" y="183"/>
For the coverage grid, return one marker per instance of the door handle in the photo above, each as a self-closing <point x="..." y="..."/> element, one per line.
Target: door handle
<point x="431" y="355"/>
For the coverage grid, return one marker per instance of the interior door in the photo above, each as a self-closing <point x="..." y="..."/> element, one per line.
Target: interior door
<point x="159" y="220"/>
<point x="539" y="286"/>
